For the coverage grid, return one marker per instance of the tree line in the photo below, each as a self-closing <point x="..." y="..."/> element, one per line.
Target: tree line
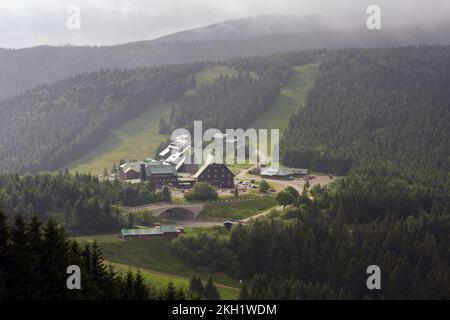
<point x="51" y="125"/>
<point x="320" y="248"/>
<point x="81" y="201"/>
<point x="34" y="260"/>
<point x="385" y="107"/>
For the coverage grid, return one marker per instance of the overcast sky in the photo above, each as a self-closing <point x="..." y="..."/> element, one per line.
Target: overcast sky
<point x="25" y="23"/>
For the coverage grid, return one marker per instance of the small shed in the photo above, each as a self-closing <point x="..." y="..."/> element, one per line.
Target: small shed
<point x="228" y="224"/>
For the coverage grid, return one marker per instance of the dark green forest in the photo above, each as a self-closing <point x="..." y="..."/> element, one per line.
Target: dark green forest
<point x="34" y="259"/>
<point x="51" y="125"/>
<point x="380" y="117"/>
<point x="82" y="202"/>
<point x="24" y="69"/>
<point x="380" y="106"/>
<point x="234" y="102"/>
<point x="310" y="251"/>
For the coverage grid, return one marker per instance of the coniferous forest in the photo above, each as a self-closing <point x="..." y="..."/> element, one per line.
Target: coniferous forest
<point x="51" y="125"/>
<point x="82" y="202"/>
<point x="377" y="117"/>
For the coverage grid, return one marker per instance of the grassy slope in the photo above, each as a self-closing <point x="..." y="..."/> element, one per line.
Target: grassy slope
<point x="292" y="97"/>
<point x="156" y="261"/>
<point x="208" y="75"/>
<point x="240" y="210"/>
<point x="136" y="139"/>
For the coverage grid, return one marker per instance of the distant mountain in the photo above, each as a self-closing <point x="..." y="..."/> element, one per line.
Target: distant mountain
<point x="23" y="69"/>
<point x="248" y="28"/>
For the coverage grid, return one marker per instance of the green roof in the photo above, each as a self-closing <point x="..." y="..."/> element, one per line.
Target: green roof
<point x="149" y="231"/>
<point x="160" y="169"/>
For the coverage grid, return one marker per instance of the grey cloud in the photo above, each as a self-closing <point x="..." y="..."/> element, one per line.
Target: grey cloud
<point x="117" y="21"/>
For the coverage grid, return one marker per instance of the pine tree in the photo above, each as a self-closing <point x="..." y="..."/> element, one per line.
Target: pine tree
<point x="170" y="293"/>
<point x="141" y="291"/>
<point x="180" y="294"/>
<point x="36" y="242"/>
<point x="98" y="269"/>
<point x="211" y="292"/>
<point x="196" y="290"/>
<point x="55" y="255"/>
<point x="20" y="263"/>
<point x="128" y="291"/>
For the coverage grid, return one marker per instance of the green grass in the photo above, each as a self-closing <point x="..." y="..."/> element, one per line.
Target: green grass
<point x="207" y="76"/>
<point x="136" y="139"/>
<point x="159" y="281"/>
<point x="154" y="257"/>
<point x="239" y="210"/>
<point x="291" y="99"/>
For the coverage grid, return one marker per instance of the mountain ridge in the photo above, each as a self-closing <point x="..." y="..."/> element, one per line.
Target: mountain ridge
<point x="26" y="68"/>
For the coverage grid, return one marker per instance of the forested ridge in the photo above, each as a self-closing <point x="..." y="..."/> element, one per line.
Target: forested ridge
<point x="378" y="116"/>
<point x="50" y="126"/>
<point x="23" y="69"/>
<point x="236" y="101"/>
<point x="376" y="106"/>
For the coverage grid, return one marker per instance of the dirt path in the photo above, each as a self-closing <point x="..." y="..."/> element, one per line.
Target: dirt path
<point x="259" y="215"/>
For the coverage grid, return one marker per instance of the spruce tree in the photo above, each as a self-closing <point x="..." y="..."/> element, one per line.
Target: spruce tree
<point x="170" y="293"/>
<point x="141" y="291"/>
<point x="196" y="290"/>
<point x="98" y="269"/>
<point x="180" y="294"/>
<point x="20" y="260"/>
<point x="128" y="292"/>
<point x="36" y="242"/>
<point x="55" y="254"/>
<point x="211" y="292"/>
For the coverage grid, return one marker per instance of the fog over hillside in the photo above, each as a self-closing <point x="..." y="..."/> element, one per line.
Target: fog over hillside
<point x="26" y="23"/>
<point x="23" y="69"/>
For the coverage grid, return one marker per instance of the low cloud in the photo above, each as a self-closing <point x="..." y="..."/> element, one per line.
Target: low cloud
<point x="106" y="22"/>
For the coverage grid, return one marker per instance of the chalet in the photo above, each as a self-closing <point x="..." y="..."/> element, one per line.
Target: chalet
<point x="216" y="174"/>
<point x="161" y="174"/>
<point x="129" y="171"/>
<point x="159" y="231"/>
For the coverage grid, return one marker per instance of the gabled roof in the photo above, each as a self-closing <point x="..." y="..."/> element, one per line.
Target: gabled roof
<point x="209" y="161"/>
<point x="131" y="166"/>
